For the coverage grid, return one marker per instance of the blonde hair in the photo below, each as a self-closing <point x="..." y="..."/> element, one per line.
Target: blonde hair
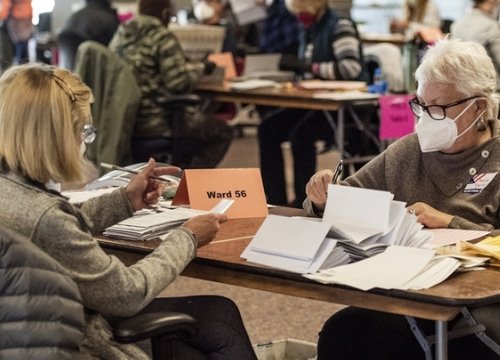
<point x="465" y="65"/>
<point x="296" y="6"/>
<point x="42" y="112"/>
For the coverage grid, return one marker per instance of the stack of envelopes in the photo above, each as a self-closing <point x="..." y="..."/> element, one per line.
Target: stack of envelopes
<point x="357" y="224"/>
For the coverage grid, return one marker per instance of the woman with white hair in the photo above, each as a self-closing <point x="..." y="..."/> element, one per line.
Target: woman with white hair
<point x="436" y="171"/>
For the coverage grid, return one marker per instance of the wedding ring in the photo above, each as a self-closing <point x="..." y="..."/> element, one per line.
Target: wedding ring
<point x="411" y="211"/>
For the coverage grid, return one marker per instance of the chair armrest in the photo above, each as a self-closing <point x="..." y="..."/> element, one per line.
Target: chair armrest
<point x="149" y="325"/>
<point x="182" y="100"/>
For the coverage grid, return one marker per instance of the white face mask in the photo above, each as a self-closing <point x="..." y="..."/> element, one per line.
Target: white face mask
<point x="202" y="11"/>
<point x="437" y="135"/>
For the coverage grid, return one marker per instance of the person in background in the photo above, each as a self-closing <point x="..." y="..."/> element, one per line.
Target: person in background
<point x="218" y="12"/>
<point x="330" y="49"/>
<point x="96" y="21"/>
<point x="436" y="171"/>
<point x="417" y="14"/>
<point x="279" y="30"/>
<point x="481" y="25"/>
<point x="18" y="16"/>
<point x="161" y="69"/>
<point x="45" y="122"/>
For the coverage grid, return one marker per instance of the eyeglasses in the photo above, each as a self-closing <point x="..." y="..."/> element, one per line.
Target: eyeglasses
<point x="89" y="132"/>
<point x="437" y="112"/>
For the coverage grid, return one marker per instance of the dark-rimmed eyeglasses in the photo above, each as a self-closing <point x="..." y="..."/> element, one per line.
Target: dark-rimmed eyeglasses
<point x="89" y="132"/>
<point x="437" y="112"/>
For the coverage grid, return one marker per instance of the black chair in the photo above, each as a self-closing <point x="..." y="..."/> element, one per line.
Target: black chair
<point x="67" y="45"/>
<point x="117" y="99"/>
<point x="161" y="328"/>
<point x="168" y="149"/>
<point x="42" y="313"/>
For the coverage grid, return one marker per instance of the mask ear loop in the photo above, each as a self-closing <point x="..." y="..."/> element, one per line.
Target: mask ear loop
<point x="471" y="125"/>
<point x="481" y="124"/>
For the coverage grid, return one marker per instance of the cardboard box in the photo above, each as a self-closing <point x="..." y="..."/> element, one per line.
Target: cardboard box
<point x="286" y="349"/>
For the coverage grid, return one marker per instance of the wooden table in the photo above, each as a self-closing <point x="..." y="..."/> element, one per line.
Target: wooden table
<point x="374" y="38"/>
<point x="289" y="96"/>
<point x="220" y="261"/>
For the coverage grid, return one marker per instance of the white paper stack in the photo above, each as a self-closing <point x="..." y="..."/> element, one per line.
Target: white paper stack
<point x="386" y="245"/>
<point x="367" y="221"/>
<point x="151" y="225"/>
<point x="294" y="244"/>
<point x="398" y="267"/>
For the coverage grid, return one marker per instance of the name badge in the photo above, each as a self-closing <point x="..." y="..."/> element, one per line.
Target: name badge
<point x="478" y="182"/>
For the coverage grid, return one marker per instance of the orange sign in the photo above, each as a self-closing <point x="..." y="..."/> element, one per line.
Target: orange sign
<point x="224" y="60"/>
<point x="203" y="188"/>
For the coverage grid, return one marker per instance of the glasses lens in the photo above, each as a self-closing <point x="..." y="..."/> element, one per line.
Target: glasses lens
<point x="89" y="133"/>
<point x="436" y="112"/>
<point x="416" y="108"/>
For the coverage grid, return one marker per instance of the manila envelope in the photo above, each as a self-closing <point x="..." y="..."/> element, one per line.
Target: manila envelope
<point x="203" y="188"/>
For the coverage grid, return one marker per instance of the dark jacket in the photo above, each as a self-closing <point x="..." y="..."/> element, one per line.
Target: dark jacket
<point x="41" y="312"/>
<point x="97" y="21"/>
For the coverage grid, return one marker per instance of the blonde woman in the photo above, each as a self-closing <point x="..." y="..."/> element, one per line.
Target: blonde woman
<point x="45" y="123"/>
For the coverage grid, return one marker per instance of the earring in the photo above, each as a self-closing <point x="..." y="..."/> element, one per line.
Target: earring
<point x="481" y="125"/>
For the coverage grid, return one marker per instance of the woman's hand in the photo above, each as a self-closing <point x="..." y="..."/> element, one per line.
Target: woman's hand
<point x="142" y="191"/>
<point x="430" y="217"/>
<point x="205" y="227"/>
<point x="317" y="188"/>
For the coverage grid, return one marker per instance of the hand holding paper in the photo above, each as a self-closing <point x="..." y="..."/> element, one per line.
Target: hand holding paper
<point x="205" y="227"/>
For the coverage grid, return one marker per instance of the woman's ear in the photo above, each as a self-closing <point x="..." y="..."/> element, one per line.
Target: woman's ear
<point x="481" y="104"/>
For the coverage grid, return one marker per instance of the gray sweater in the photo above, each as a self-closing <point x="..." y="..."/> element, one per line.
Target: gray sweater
<point x="106" y="285"/>
<point x="437" y="179"/>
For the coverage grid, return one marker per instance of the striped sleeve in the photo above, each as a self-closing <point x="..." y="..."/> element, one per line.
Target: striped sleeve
<point x="346" y="49"/>
<point x="178" y="75"/>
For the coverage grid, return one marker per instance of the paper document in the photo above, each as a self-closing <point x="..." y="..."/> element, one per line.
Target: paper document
<point x="252" y="84"/>
<point x="293" y="244"/>
<point x="222" y="206"/>
<point x="359" y="213"/>
<point x="390" y="270"/>
<point x="84" y="195"/>
<point x="152" y="225"/>
<point x="443" y="237"/>
<point x="332" y="85"/>
<point x="247" y="11"/>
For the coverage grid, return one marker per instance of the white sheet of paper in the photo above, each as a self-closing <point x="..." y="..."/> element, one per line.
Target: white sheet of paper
<point x="247" y="11"/>
<point x="84" y="195"/>
<point x="442" y="237"/>
<point x="390" y="269"/>
<point x="358" y="212"/>
<point x="289" y="237"/>
<point x="222" y="206"/>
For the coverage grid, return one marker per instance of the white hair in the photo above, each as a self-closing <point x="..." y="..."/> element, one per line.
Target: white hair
<point x="463" y="64"/>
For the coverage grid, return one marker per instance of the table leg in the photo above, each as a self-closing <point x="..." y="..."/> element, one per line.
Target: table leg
<point x="441" y="340"/>
<point x="338" y="128"/>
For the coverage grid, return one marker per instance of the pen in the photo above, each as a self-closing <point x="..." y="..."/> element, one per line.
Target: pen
<point x="338" y="171"/>
<point x="119" y="168"/>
